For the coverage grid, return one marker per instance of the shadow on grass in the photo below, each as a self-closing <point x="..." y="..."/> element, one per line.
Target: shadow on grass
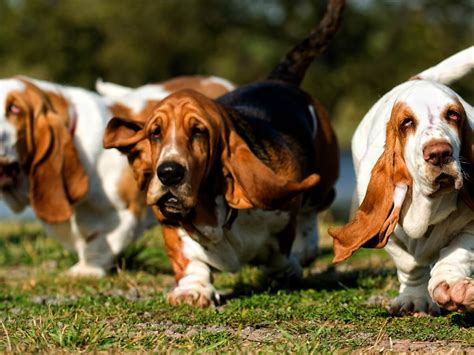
<point x="328" y="280"/>
<point x="463" y="320"/>
<point x="140" y="257"/>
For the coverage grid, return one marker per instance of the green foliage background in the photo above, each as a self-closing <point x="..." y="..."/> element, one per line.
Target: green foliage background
<point x="132" y="42"/>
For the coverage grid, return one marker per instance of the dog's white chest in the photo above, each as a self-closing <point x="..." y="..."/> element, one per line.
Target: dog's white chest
<point x="252" y="237"/>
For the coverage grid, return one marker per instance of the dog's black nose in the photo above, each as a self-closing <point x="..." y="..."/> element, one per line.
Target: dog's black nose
<point x="170" y="173"/>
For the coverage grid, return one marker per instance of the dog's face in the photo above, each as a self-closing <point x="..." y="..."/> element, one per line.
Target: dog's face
<point x="14" y="112"/>
<point x="38" y="160"/>
<point x="197" y="154"/>
<point x="136" y="105"/>
<point x="184" y="137"/>
<point x="433" y="127"/>
<point x="428" y="149"/>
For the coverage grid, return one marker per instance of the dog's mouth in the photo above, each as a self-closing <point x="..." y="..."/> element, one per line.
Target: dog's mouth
<point x="445" y="183"/>
<point x="8" y="174"/>
<point x="172" y="207"/>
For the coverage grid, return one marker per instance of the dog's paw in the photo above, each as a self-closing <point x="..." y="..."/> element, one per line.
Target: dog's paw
<point x="415" y="305"/>
<point x="457" y="296"/>
<point x="85" y="270"/>
<point x="194" y="295"/>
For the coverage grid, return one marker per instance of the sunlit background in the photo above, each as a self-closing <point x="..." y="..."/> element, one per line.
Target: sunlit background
<point x="133" y="42"/>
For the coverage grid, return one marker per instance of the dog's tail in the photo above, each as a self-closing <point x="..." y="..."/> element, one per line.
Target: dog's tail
<point x="450" y="69"/>
<point x="293" y="66"/>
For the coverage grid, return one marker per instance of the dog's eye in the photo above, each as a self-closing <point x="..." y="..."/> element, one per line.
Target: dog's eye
<point x="155" y="133"/>
<point x="14" y="109"/>
<point x="408" y="122"/>
<point x="198" y="131"/>
<point x="453" y="116"/>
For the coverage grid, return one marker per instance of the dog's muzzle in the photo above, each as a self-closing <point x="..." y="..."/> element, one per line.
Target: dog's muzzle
<point x="172" y="207"/>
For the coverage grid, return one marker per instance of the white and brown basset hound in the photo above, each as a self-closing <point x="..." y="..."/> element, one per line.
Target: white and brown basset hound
<point x="239" y="179"/>
<point x="52" y="158"/>
<point x="413" y="157"/>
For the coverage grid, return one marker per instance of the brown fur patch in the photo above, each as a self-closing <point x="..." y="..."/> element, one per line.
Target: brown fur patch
<point x="174" y="250"/>
<point x="129" y="193"/>
<point x="56" y="176"/>
<point x="376" y="219"/>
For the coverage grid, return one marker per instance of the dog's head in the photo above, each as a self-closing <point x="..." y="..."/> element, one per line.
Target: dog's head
<point x="428" y="148"/>
<point x="436" y="137"/>
<point x="36" y="145"/>
<point x="196" y="152"/>
<point x="136" y="105"/>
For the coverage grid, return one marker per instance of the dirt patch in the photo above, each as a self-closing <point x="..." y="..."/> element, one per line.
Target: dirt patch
<point x="53" y="299"/>
<point x="404" y="346"/>
<point x="177" y="331"/>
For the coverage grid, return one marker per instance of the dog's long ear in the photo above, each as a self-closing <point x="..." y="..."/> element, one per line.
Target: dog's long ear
<point x="123" y="133"/>
<point x="379" y="212"/>
<point x="467" y="160"/>
<point x="127" y="136"/>
<point x="57" y="178"/>
<point x="249" y="183"/>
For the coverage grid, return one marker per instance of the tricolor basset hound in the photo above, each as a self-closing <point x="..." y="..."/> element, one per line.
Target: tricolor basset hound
<point x="239" y="179"/>
<point x="413" y="156"/>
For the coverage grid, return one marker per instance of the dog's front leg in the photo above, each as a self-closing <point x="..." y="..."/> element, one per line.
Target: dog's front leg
<point x="413" y="298"/>
<point x="193" y="276"/>
<point x="195" y="286"/>
<point x="451" y="284"/>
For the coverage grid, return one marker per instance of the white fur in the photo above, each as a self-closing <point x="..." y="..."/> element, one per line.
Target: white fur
<point x="305" y="246"/>
<point x="452" y="68"/>
<point x="111" y="90"/>
<point x="8" y="137"/>
<point x="314" y="120"/>
<point x="102" y="215"/>
<point x="434" y="233"/>
<point x="220" y="81"/>
<point x="251" y="239"/>
<point x="138" y="98"/>
<point x="134" y="98"/>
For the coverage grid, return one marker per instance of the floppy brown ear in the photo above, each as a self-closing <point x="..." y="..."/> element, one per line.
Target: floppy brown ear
<point x="378" y="215"/>
<point x="57" y="178"/>
<point x="128" y="136"/>
<point x="249" y="183"/>
<point x="123" y="133"/>
<point x="467" y="164"/>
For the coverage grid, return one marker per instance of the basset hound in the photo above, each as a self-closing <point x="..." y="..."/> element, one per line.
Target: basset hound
<point x="239" y="179"/>
<point x="413" y="157"/>
<point x="51" y="157"/>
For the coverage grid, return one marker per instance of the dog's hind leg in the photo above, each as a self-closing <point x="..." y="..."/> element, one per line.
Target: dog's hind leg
<point x="305" y="246"/>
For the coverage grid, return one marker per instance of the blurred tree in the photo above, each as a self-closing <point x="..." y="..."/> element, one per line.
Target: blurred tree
<point x="132" y="42"/>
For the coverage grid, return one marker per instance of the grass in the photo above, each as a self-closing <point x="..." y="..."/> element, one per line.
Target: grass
<point x="336" y="308"/>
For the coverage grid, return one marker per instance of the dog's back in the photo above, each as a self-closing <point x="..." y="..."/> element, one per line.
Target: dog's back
<point x="272" y="113"/>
